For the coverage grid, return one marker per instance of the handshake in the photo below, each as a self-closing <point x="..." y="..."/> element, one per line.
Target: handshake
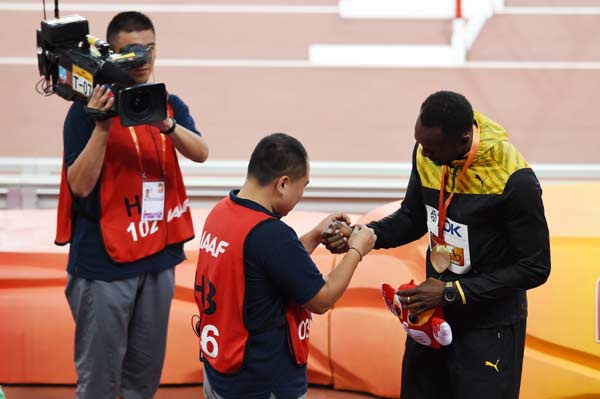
<point x="339" y="236"/>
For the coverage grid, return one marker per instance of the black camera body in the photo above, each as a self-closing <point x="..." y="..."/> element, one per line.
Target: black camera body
<point x="72" y="62"/>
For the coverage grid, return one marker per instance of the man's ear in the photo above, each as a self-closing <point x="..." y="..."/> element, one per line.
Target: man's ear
<point x="282" y="183"/>
<point x="466" y="138"/>
<point x="463" y="143"/>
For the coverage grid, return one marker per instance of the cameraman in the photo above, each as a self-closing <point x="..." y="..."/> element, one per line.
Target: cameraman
<point x="124" y="244"/>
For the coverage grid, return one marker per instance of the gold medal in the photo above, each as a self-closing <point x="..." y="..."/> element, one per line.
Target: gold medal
<point x="440" y="258"/>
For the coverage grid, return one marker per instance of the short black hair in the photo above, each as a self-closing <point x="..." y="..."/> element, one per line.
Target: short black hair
<point x="448" y="110"/>
<point x="127" y="21"/>
<point x="277" y="155"/>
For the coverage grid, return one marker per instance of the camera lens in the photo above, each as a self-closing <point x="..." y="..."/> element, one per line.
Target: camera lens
<point x="139" y="105"/>
<point x="140" y="102"/>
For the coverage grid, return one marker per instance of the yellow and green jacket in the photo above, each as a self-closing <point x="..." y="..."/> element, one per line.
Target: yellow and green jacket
<point x="495" y="228"/>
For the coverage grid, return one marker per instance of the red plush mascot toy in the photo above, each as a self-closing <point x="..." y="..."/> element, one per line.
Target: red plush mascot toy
<point x="429" y="328"/>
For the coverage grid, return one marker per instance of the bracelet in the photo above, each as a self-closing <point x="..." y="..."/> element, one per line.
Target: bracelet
<point x="171" y="129"/>
<point x="358" y="252"/>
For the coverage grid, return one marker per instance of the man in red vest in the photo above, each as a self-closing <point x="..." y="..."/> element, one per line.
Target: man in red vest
<point x="256" y="283"/>
<point x="124" y="210"/>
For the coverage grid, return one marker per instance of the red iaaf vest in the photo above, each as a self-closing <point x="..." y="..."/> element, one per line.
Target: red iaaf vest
<point x="220" y="286"/>
<point x="126" y="237"/>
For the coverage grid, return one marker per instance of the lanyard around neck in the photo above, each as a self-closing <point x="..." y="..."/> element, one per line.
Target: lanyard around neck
<point x="162" y="160"/>
<point x="443" y="206"/>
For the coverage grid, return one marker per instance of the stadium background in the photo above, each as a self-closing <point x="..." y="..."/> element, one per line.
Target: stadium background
<point x="347" y="79"/>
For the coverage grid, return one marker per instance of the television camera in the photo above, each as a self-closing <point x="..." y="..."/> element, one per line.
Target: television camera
<point x="72" y="62"/>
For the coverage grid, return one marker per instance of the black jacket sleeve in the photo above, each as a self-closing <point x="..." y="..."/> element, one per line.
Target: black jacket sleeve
<point x="408" y="223"/>
<point x="528" y="237"/>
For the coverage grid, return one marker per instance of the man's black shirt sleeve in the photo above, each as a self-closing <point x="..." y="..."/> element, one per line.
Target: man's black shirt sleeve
<point x="77" y="130"/>
<point x="408" y="223"/>
<point x="527" y="231"/>
<point x="181" y="113"/>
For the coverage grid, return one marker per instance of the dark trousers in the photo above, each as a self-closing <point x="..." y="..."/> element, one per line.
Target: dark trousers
<point x="479" y="363"/>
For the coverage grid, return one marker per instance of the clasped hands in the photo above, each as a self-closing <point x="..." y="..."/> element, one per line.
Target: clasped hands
<point x="339" y="236"/>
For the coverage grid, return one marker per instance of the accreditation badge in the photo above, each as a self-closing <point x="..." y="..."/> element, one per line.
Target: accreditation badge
<point x="451" y="252"/>
<point x="153" y="200"/>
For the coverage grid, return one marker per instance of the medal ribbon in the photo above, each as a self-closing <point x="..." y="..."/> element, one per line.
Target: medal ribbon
<point x="443" y="206"/>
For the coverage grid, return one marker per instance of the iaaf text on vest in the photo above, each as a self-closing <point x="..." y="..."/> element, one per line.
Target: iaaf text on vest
<point x="212" y="245"/>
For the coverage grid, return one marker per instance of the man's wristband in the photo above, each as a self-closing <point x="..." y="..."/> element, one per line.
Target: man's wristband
<point x="357" y="251"/>
<point x="171" y="129"/>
